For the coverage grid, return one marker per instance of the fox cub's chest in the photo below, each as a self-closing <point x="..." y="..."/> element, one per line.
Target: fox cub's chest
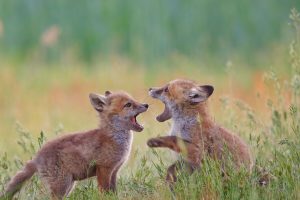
<point x="178" y="129"/>
<point x="184" y="128"/>
<point x="123" y="146"/>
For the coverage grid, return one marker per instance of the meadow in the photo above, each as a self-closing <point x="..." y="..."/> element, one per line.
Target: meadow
<point x="41" y="100"/>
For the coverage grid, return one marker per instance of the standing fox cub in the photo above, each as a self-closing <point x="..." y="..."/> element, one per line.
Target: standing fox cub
<point x="99" y="152"/>
<point x="198" y="134"/>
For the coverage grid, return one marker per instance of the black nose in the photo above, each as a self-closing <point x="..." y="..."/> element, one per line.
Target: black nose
<point x="146" y="105"/>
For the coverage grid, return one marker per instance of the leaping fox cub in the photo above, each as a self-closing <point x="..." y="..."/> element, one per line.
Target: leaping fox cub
<point x="99" y="152"/>
<point x="193" y="129"/>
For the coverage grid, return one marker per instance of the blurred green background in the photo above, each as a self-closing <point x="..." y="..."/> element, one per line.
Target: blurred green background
<point x="147" y="31"/>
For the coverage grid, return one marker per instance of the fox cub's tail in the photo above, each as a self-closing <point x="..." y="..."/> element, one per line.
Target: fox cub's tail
<point x="16" y="182"/>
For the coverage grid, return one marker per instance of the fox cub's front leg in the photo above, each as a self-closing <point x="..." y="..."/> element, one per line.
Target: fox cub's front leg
<point x="172" y="142"/>
<point x="113" y="180"/>
<point x="104" y="178"/>
<point x="192" y="154"/>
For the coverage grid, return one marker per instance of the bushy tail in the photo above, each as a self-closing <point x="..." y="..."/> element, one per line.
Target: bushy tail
<point x="16" y="182"/>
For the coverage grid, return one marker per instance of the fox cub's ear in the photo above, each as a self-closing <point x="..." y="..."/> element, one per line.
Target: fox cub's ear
<point x="208" y="89"/>
<point x="107" y="93"/>
<point x="97" y="101"/>
<point x="198" y="95"/>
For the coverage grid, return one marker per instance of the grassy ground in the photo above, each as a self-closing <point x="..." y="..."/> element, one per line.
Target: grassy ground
<point x="262" y="107"/>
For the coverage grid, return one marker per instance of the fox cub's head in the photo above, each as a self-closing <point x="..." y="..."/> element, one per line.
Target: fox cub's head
<point x="180" y="94"/>
<point x="119" y="109"/>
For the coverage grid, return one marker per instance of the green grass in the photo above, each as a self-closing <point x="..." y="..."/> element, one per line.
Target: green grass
<point x="269" y="122"/>
<point x="276" y="150"/>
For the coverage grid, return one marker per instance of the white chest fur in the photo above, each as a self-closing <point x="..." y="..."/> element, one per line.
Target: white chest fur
<point x="124" y="142"/>
<point x="182" y="126"/>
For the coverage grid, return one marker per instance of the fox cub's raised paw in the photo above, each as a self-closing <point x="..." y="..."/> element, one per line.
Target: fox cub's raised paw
<point x="154" y="142"/>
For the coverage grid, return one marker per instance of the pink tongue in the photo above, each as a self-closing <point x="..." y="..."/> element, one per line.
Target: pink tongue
<point x="135" y="123"/>
<point x="133" y="119"/>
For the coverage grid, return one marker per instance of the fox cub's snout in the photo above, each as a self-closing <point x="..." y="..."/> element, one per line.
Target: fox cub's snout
<point x="119" y="109"/>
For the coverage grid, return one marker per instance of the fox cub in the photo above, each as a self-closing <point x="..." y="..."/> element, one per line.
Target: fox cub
<point x="99" y="152"/>
<point x="194" y="131"/>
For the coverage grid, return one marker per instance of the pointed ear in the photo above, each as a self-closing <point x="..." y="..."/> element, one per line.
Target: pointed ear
<point x="196" y="96"/>
<point x="201" y="94"/>
<point x="107" y="93"/>
<point x="98" y="101"/>
<point x="208" y="89"/>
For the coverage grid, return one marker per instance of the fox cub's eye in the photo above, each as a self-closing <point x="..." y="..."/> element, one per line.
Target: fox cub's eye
<point x="128" y="105"/>
<point x="166" y="89"/>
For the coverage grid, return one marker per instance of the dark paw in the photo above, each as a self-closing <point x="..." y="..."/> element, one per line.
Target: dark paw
<point x="154" y="142"/>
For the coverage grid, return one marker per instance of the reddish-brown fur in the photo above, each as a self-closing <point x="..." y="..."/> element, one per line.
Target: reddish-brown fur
<point x="99" y="152"/>
<point x="194" y="132"/>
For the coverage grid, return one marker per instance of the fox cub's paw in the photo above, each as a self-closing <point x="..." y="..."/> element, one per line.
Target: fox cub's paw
<point x="154" y="142"/>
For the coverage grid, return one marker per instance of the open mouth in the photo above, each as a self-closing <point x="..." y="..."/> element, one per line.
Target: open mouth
<point x="135" y="123"/>
<point x="165" y="115"/>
